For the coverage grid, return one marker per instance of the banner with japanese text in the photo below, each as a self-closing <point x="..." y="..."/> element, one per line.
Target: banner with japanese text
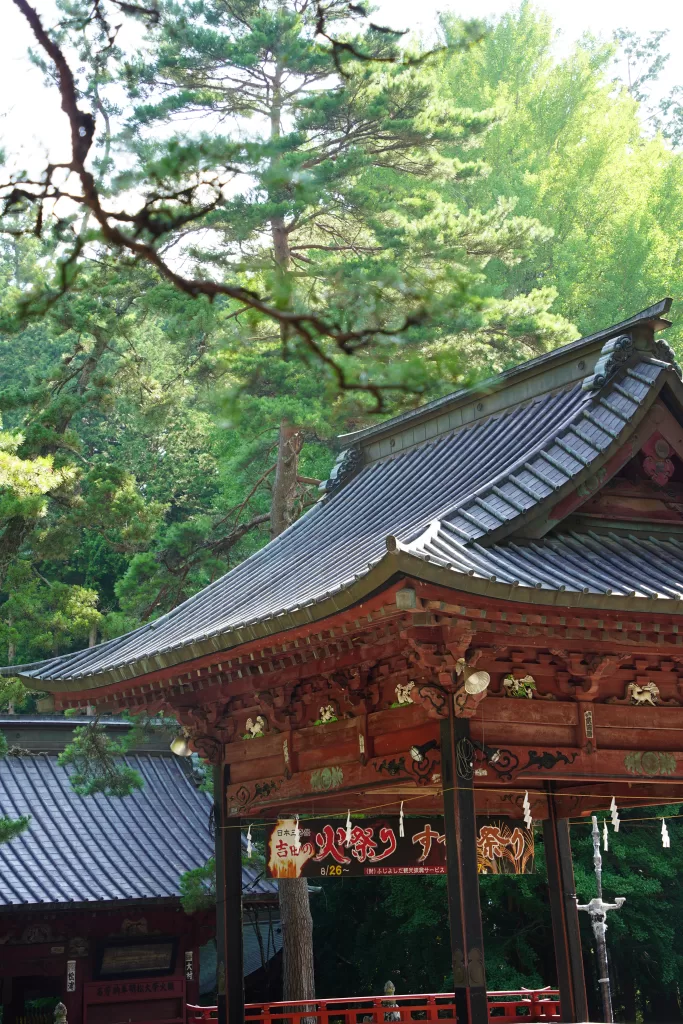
<point x="375" y="846"/>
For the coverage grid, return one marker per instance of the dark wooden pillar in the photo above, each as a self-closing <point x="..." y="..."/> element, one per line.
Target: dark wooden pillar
<point x="467" y="944"/>
<point x="565" y="916"/>
<point x="228" y="908"/>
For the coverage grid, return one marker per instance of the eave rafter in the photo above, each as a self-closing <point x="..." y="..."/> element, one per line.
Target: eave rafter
<point x="348" y="698"/>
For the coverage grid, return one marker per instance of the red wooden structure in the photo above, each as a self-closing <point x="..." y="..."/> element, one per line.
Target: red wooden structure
<point x="90" y="910"/>
<point x="486" y="602"/>
<point x="511" y="1007"/>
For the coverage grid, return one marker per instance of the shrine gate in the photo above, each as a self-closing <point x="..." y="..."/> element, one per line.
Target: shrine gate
<point x="486" y="601"/>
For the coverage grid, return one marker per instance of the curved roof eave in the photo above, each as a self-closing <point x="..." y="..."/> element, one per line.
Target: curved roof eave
<point x="397" y="563"/>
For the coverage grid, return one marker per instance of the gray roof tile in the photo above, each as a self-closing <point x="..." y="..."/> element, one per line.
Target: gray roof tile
<point x="82" y="849"/>
<point x="478" y="482"/>
<point x="604" y="563"/>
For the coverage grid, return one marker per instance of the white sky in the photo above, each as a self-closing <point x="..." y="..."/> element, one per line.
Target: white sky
<point x="571" y="17"/>
<point x="30" y="118"/>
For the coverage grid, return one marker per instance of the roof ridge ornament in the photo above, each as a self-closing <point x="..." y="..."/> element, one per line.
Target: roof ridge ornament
<point x="614" y="354"/>
<point x="620" y="350"/>
<point x="346" y="465"/>
<point x="662" y="350"/>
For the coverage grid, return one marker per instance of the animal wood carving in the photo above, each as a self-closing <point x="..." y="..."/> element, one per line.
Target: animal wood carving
<point x="255" y="729"/>
<point x="647" y="694"/>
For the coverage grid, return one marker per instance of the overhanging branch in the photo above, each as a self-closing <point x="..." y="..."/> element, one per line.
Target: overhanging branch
<point x="315" y="331"/>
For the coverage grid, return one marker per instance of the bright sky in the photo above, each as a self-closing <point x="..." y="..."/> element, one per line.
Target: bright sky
<point x="30" y="118"/>
<point x="571" y="17"/>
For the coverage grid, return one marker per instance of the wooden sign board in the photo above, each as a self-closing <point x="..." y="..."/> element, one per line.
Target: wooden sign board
<point x="375" y="847"/>
<point x="120" y="958"/>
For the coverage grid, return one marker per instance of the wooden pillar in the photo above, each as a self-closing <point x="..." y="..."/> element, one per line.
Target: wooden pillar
<point x="565" y="916"/>
<point x="228" y="907"/>
<point x="467" y="944"/>
<point x="73" y="1001"/>
<point x="191" y="971"/>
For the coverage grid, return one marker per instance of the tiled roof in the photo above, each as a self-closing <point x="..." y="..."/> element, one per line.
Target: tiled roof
<point x="588" y="563"/>
<point x="471" y="487"/>
<point x="553" y="453"/>
<point x="86" y="849"/>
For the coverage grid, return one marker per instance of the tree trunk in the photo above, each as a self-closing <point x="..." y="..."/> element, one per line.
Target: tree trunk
<point x="11" y="646"/>
<point x="284" y="486"/>
<point x="295" y="909"/>
<point x="298" y="980"/>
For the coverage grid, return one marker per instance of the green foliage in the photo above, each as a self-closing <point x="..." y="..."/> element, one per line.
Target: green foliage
<point x="576" y="155"/>
<point x="198" y="888"/>
<point x="97" y="762"/>
<point x="348" y="196"/>
<point x="10" y="828"/>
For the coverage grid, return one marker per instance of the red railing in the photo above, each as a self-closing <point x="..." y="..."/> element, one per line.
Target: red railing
<point x="520" y="1005"/>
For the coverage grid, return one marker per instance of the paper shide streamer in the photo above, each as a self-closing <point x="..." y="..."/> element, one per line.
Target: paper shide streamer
<point x="615" y="814"/>
<point x="666" y="840"/>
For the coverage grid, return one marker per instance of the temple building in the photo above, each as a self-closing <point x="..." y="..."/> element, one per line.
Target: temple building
<point x="480" y="617"/>
<point x="90" y="913"/>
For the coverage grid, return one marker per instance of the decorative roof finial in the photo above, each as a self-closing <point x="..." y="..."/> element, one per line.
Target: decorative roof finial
<point x="614" y="354"/>
<point x="347" y="465"/>
<point x="622" y="349"/>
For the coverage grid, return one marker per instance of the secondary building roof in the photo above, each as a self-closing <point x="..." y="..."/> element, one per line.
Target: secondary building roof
<point x="470" y="483"/>
<point x="96" y="848"/>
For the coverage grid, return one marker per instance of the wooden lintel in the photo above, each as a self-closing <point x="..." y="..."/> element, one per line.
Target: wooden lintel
<point x="515" y="770"/>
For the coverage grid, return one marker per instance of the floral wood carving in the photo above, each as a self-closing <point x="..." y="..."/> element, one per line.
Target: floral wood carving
<point x="650" y="762"/>
<point x="658" y="464"/>
<point x="328" y="713"/>
<point x="256" y="728"/>
<point x="521" y="688"/>
<point x="403" y="692"/>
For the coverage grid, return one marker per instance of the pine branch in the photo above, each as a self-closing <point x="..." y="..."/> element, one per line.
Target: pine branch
<point x="311" y="329"/>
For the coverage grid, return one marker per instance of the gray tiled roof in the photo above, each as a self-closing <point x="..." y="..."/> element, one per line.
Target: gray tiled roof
<point x="340" y="536"/>
<point x="554" y="453"/>
<point x="85" y="849"/>
<point x="589" y="563"/>
<point x="472" y="486"/>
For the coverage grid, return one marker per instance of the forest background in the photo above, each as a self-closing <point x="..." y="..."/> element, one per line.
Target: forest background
<point x="504" y="202"/>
